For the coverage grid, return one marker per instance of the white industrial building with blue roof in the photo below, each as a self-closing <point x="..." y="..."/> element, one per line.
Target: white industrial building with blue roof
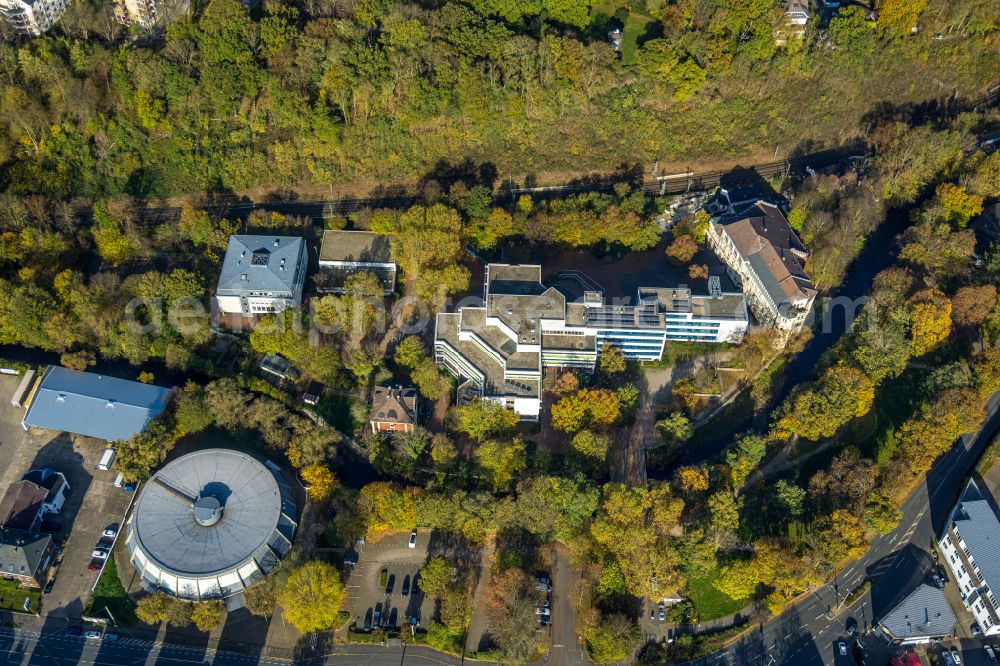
<point x="262" y="275"/>
<point x="85" y="403"/>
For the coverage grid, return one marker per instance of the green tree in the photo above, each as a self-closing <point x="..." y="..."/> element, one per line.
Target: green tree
<point x="502" y="460"/>
<point x="612" y="360"/>
<point x="431" y="382"/>
<point x="435" y="575"/>
<point x="483" y="419"/>
<point x="738" y="580"/>
<point x="312" y="596"/>
<point x="821" y="409"/>
<point x="744" y="457"/>
<point x="410" y="352"/>
<point x="207" y="614"/>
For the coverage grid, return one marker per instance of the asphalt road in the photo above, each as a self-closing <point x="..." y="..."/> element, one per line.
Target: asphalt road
<point x="808" y="632"/>
<point x="30" y="648"/>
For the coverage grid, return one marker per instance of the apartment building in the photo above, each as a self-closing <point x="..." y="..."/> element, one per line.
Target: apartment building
<point x="136" y="12"/>
<point x="498" y="350"/>
<point x="262" y="275"/>
<point x="766" y="258"/>
<point x="970" y="549"/>
<point x="32" y="17"/>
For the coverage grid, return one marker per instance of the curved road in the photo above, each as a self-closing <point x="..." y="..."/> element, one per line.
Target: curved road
<point x="807" y="632"/>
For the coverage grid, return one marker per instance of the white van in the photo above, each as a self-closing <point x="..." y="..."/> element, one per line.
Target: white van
<point x="106" y="459"/>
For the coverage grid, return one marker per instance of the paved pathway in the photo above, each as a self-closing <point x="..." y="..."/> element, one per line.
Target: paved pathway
<point x="477" y="626"/>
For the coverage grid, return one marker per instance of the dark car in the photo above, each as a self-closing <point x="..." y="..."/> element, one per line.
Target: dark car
<point x="48" y="586"/>
<point x="74" y="631"/>
<point x="390" y="584"/>
<point x="416" y="584"/>
<point x="851" y="626"/>
<point x="94" y="566"/>
<point x="405" y="591"/>
<point x="368" y="620"/>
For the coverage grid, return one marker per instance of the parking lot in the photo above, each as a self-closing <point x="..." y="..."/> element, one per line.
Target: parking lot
<point x="368" y="589"/>
<point x="93" y="504"/>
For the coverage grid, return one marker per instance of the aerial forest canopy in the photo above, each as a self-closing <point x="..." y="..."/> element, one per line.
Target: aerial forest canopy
<point x="316" y="92"/>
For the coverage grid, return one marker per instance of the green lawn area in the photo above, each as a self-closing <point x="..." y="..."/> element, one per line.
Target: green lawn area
<point x="635" y="26"/>
<point x="110" y="595"/>
<point x="12" y="596"/>
<point x="336" y="410"/>
<point x="708" y="601"/>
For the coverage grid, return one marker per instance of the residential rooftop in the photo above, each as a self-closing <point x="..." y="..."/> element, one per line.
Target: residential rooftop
<point x="763" y="237"/>
<point x="20" y="505"/>
<point x="260" y="263"/>
<point x="356" y="247"/>
<point x="925" y="612"/>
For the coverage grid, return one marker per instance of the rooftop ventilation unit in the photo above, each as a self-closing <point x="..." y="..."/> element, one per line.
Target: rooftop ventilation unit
<point x="714" y="286"/>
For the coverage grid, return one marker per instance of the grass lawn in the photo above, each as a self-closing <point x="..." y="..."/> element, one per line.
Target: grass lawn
<point x="708" y="601"/>
<point x="12" y="596"/>
<point x="336" y="410"/>
<point x="635" y="26"/>
<point x="110" y="594"/>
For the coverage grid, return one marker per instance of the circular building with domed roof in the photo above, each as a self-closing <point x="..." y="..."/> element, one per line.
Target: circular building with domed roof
<point x="211" y="523"/>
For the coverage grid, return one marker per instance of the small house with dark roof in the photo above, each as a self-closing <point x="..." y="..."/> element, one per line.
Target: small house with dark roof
<point x="765" y="257"/>
<point x="924" y="615"/>
<point x="261" y="275"/>
<point x="345" y="253"/>
<point x="394" y="409"/>
<point x="55" y="485"/>
<point x="25" y="556"/>
<point x="21" y="506"/>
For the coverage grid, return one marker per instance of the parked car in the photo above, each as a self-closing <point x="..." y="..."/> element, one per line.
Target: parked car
<point x="851" y="626"/>
<point x="938" y="581"/>
<point x="100" y="554"/>
<point x="416" y="584"/>
<point x="405" y="591"/>
<point x="956" y="656"/>
<point x="92" y="634"/>
<point x="842" y="648"/>
<point x="93" y="566"/>
<point x="947" y="659"/>
<point x="368" y="620"/>
<point x="73" y="631"/>
<point x="110" y="637"/>
<point x="48" y="586"/>
<point x="991" y="656"/>
<point x="661" y="612"/>
<point x="391" y="584"/>
<point x="413" y="539"/>
<point x="110" y="533"/>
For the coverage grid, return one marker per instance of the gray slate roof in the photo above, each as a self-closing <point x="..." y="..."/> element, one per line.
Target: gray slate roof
<point x="260" y="258"/>
<point x="21" y="552"/>
<point x="94" y="405"/>
<point x="924" y="612"/>
<point x="980" y="529"/>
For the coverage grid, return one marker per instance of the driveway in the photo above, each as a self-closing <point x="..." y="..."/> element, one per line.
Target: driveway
<point x="566" y="648"/>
